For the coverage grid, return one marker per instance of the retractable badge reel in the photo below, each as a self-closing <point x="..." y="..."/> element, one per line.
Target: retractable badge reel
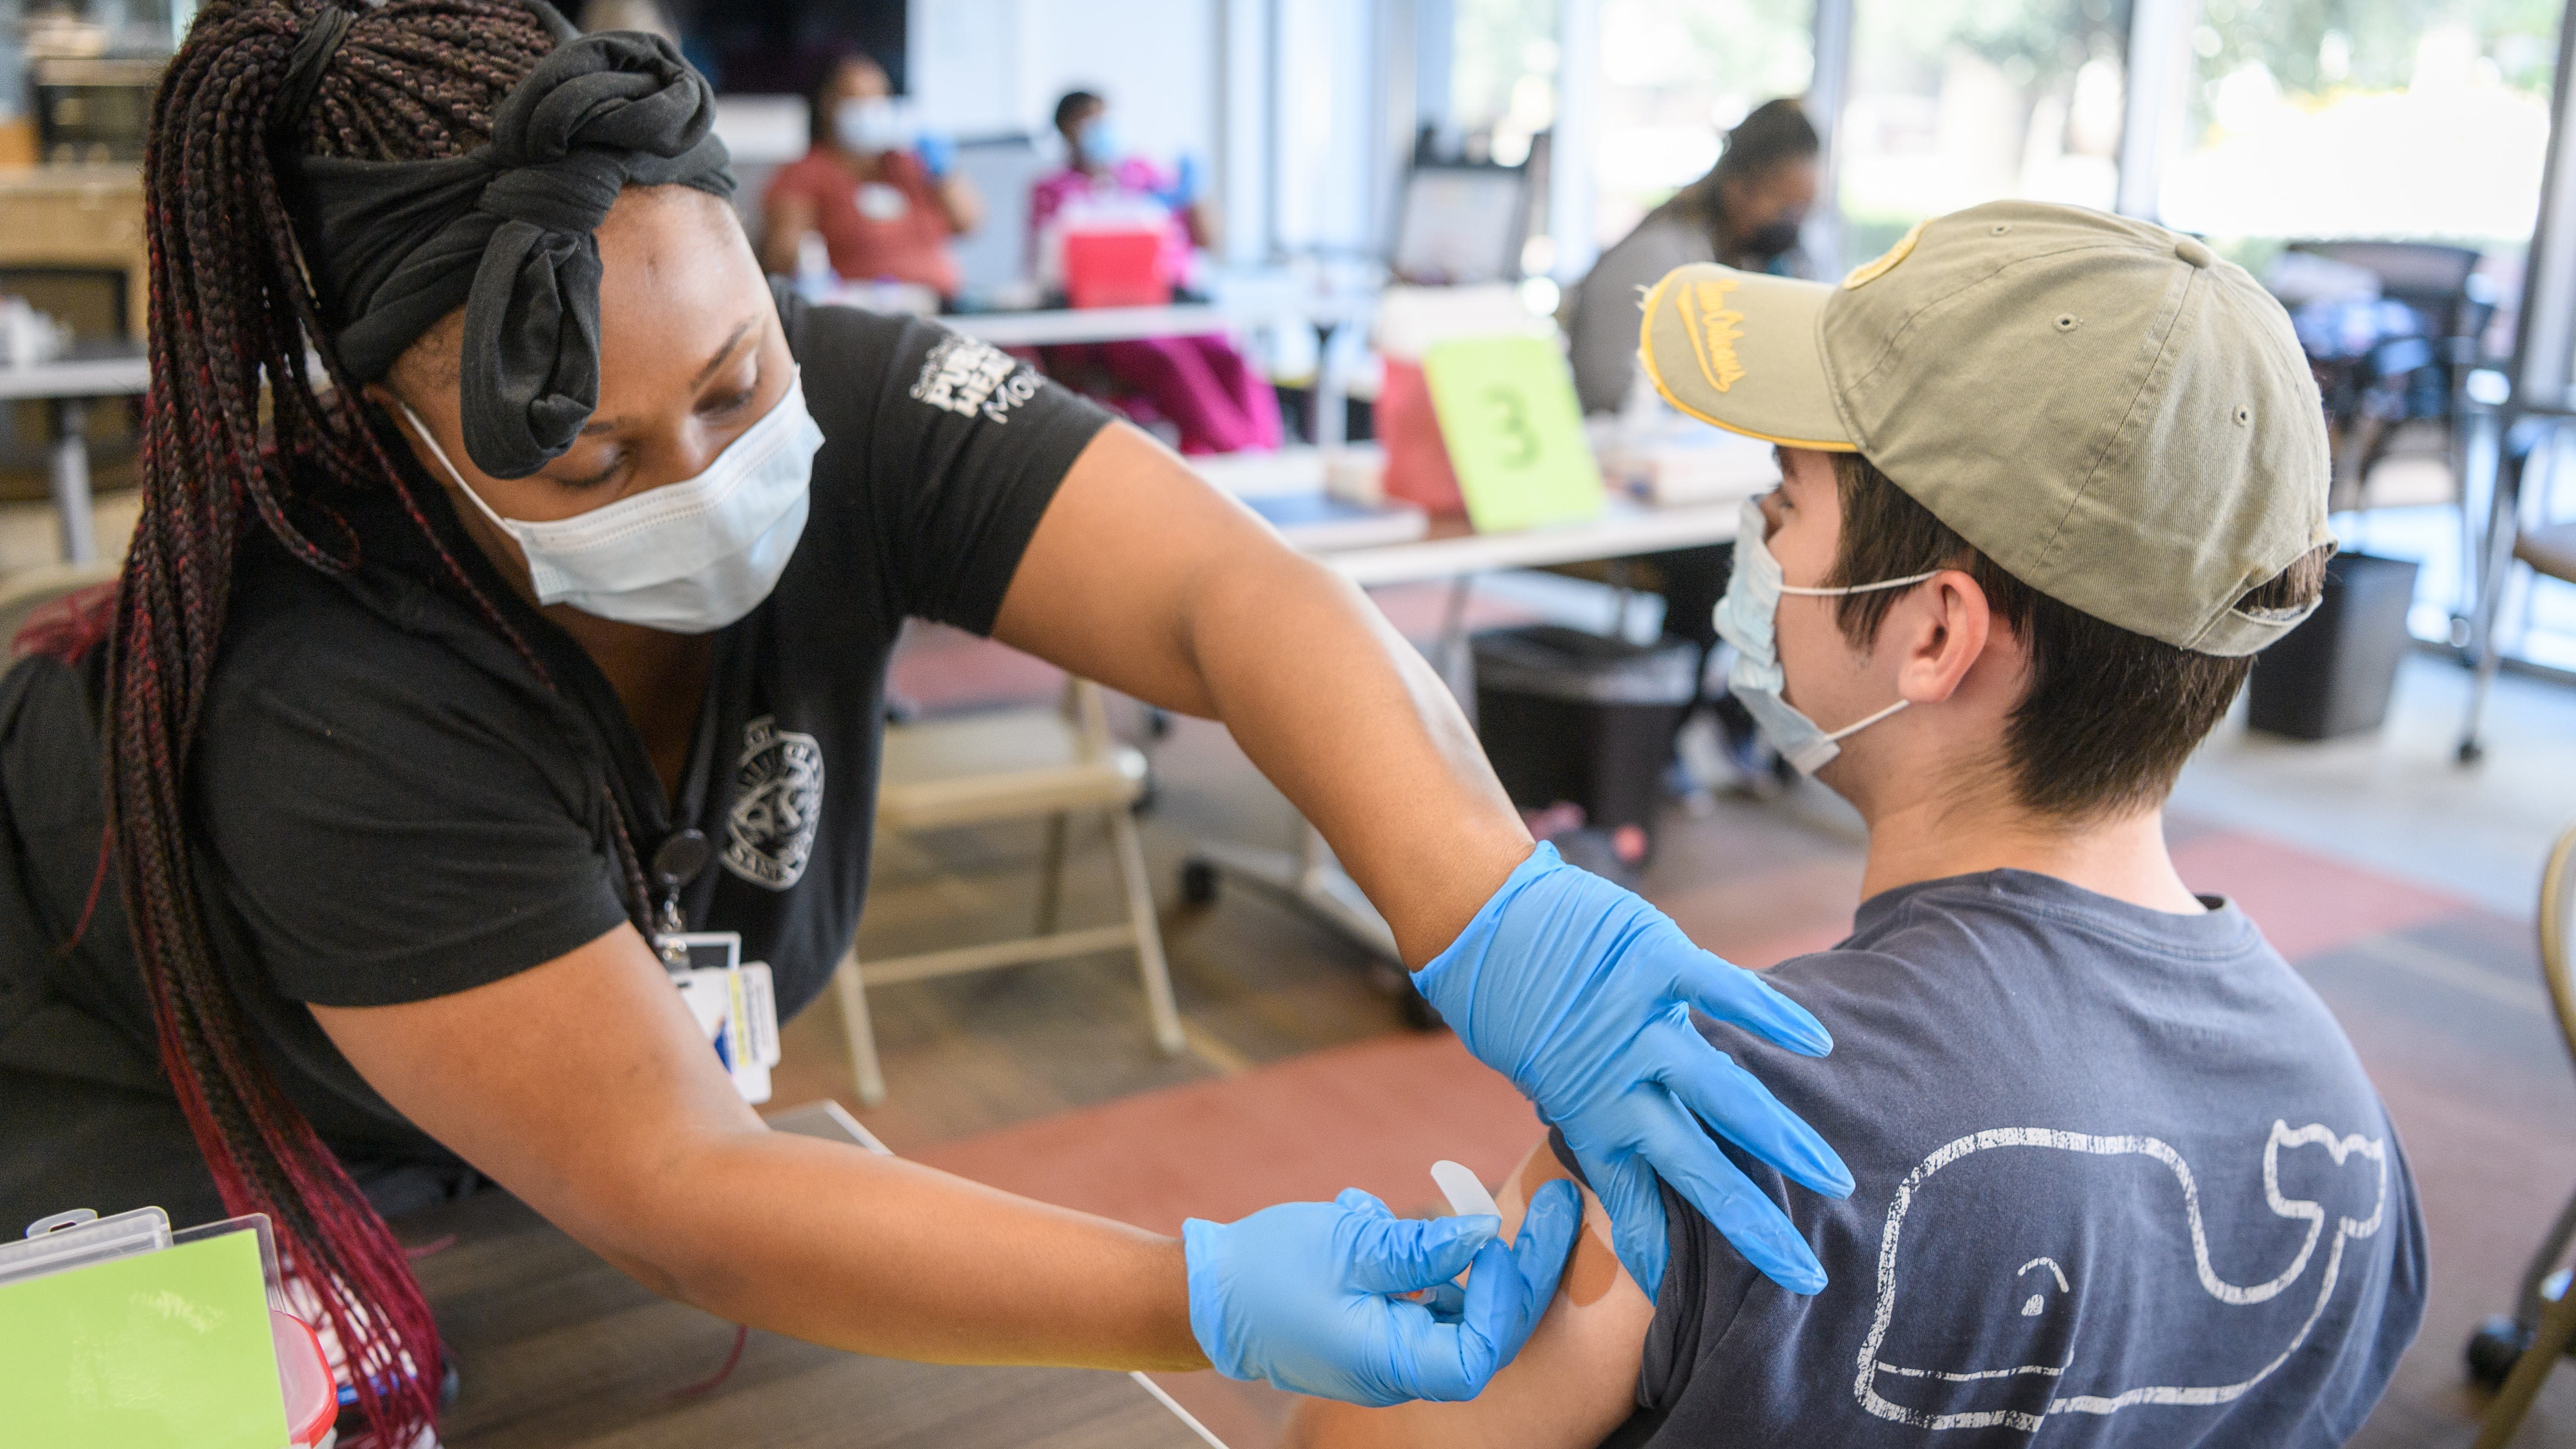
<point x="733" y="1000"/>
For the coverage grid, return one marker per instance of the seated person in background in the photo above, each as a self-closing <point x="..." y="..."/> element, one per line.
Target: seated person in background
<point x="884" y="201"/>
<point x="2121" y="1180"/>
<point x="1745" y="213"/>
<point x="1202" y="386"/>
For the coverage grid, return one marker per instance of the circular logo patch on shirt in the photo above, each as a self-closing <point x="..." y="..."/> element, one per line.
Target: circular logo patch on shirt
<point x="777" y="803"/>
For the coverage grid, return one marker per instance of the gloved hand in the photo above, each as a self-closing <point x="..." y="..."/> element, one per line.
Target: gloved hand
<point x="1298" y="1294"/>
<point x="938" y="154"/>
<point x="1186" y="182"/>
<point x="1580" y="992"/>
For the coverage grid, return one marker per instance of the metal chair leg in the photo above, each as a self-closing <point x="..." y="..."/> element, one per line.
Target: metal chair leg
<point x="1149" y="932"/>
<point x="2504" y="508"/>
<point x="2504" y="1415"/>
<point x="1051" y="874"/>
<point x="854" y="1020"/>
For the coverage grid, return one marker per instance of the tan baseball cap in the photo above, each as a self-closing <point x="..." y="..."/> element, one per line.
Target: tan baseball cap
<point x="2114" y="415"/>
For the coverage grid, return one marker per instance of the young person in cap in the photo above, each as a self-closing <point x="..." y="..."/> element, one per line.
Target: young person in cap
<point x="338" y="838"/>
<point x="2050" y="479"/>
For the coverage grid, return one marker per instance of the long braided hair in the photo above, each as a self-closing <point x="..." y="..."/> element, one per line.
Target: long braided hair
<point x="235" y="428"/>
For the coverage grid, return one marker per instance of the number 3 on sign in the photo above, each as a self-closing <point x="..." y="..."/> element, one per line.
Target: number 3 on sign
<point x="1514" y="432"/>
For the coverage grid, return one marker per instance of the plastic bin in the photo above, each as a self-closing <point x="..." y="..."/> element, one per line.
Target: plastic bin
<point x="1570" y="716"/>
<point x="2333" y="674"/>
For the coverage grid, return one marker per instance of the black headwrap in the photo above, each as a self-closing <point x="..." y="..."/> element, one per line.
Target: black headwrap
<point x="506" y="231"/>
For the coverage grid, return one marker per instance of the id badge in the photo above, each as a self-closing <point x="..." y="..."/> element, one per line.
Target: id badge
<point x="734" y="1005"/>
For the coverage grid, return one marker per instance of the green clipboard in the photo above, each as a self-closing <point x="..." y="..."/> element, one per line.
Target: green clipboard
<point x="148" y="1347"/>
<point x="1513" y="430"/>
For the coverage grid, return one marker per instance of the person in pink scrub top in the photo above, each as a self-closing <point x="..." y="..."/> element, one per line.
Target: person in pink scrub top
<point x="1202" y="386"/>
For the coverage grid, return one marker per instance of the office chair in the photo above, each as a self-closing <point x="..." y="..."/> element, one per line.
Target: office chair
<point x="2532" y="1341"/>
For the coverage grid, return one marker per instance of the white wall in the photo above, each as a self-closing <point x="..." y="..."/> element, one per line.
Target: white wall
<point x="982" y="67"/>
<point x="1327" y="118"/>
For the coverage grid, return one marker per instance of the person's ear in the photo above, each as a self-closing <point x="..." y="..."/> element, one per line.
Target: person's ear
<point x="1943" y="626"/>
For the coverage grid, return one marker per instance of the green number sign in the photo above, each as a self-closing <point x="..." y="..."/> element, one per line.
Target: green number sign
<point x="1514" y="432"/>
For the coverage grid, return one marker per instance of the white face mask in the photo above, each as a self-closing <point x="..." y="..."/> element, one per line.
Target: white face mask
<point x="1746" y="618"/>
<point x="686" y="557"/>
<point x="870" y="125"/>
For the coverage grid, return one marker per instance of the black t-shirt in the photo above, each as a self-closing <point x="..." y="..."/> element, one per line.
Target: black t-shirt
<point x="2120" y="1181"/>
<point x="394" y="806"/>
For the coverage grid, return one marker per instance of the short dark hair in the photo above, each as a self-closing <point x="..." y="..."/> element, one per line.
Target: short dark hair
<point x="1070" y="108"/>
<point x="1771" y="133"/>
<point x="2109" y="716"/>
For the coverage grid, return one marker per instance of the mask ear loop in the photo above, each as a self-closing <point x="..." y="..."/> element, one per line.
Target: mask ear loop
<point x="1813" y="593"/>
<point x="440" y="454"/>
<point x="1847" y="731"/>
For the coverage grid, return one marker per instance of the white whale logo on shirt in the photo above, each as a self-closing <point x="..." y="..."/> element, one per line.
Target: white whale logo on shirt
<point x="2042" y="1279"/>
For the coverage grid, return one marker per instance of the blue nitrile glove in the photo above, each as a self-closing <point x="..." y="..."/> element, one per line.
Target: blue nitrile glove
<point x="1300" y="1295"/>
<point x="1185" y="183"/>
<point x="938" y="154"/>
<point x="1580" y="992"/>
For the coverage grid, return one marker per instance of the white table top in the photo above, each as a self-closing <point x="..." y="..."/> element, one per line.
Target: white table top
<point x="78" y="377"/>
<point x="1097" y="324"/>
<point x="1622" y="529"/>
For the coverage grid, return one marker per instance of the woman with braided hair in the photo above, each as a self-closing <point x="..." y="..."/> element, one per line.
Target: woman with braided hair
<point x="513" y="594"/>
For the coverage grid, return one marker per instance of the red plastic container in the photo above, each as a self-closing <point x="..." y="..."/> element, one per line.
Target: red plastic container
<point x="304" y="1376"/>
<point x="1115" y="268"/>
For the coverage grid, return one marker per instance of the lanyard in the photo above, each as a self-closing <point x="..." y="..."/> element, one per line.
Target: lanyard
<point x="682" y="855"/>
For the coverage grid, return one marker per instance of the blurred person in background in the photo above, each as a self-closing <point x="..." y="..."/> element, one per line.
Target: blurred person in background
<point x="1202" y="386"/>
<point x="1745" y="213"/>
<point x="885" y="201"/>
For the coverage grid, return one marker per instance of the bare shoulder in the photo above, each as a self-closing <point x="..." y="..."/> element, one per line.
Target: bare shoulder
<point x="1573" y="1383"/>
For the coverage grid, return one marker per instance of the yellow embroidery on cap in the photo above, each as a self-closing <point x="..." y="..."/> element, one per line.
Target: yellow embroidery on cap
<point x="1879" y="266"/>
<point x="1711" y="327"/>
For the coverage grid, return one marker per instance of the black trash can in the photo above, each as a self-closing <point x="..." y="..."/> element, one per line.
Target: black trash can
<point x="2333" y="674"/>
<point x="1570" y="716"/>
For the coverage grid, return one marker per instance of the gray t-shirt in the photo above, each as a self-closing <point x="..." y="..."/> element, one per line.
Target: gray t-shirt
<point x="2121" y="1181"/>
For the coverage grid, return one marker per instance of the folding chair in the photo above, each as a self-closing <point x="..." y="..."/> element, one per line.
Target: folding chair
<point x="1013" y="765"/>
<point x="2545" y="1324"/>
<point x="2549" y="550"/>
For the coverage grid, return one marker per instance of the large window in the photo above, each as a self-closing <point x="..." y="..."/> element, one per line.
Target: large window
<point x="1503" y="88"/>
<point x="1675" y="75"/>
<point x="2365" y="118"/>
<point x="1954" y="102"/>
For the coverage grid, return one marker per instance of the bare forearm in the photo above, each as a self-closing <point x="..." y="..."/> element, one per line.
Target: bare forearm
<point x="960" y="205"/>
<point x="876" y="1255"/>
<point x="585" y="1087"/>
<point x="1345" y="717"/>
<point x="1144" y="578"/>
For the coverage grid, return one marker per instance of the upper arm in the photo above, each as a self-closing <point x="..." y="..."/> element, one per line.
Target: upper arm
<point x="578" y="1085"/>
<point x="963" y="204"/>
<point x="1574" y="1382"/>
<point x="1107" y="594"/>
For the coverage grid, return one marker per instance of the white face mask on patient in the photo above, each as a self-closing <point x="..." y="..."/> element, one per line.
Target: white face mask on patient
<point x="1747" y="618"/>
<point x="689" y="557"/>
